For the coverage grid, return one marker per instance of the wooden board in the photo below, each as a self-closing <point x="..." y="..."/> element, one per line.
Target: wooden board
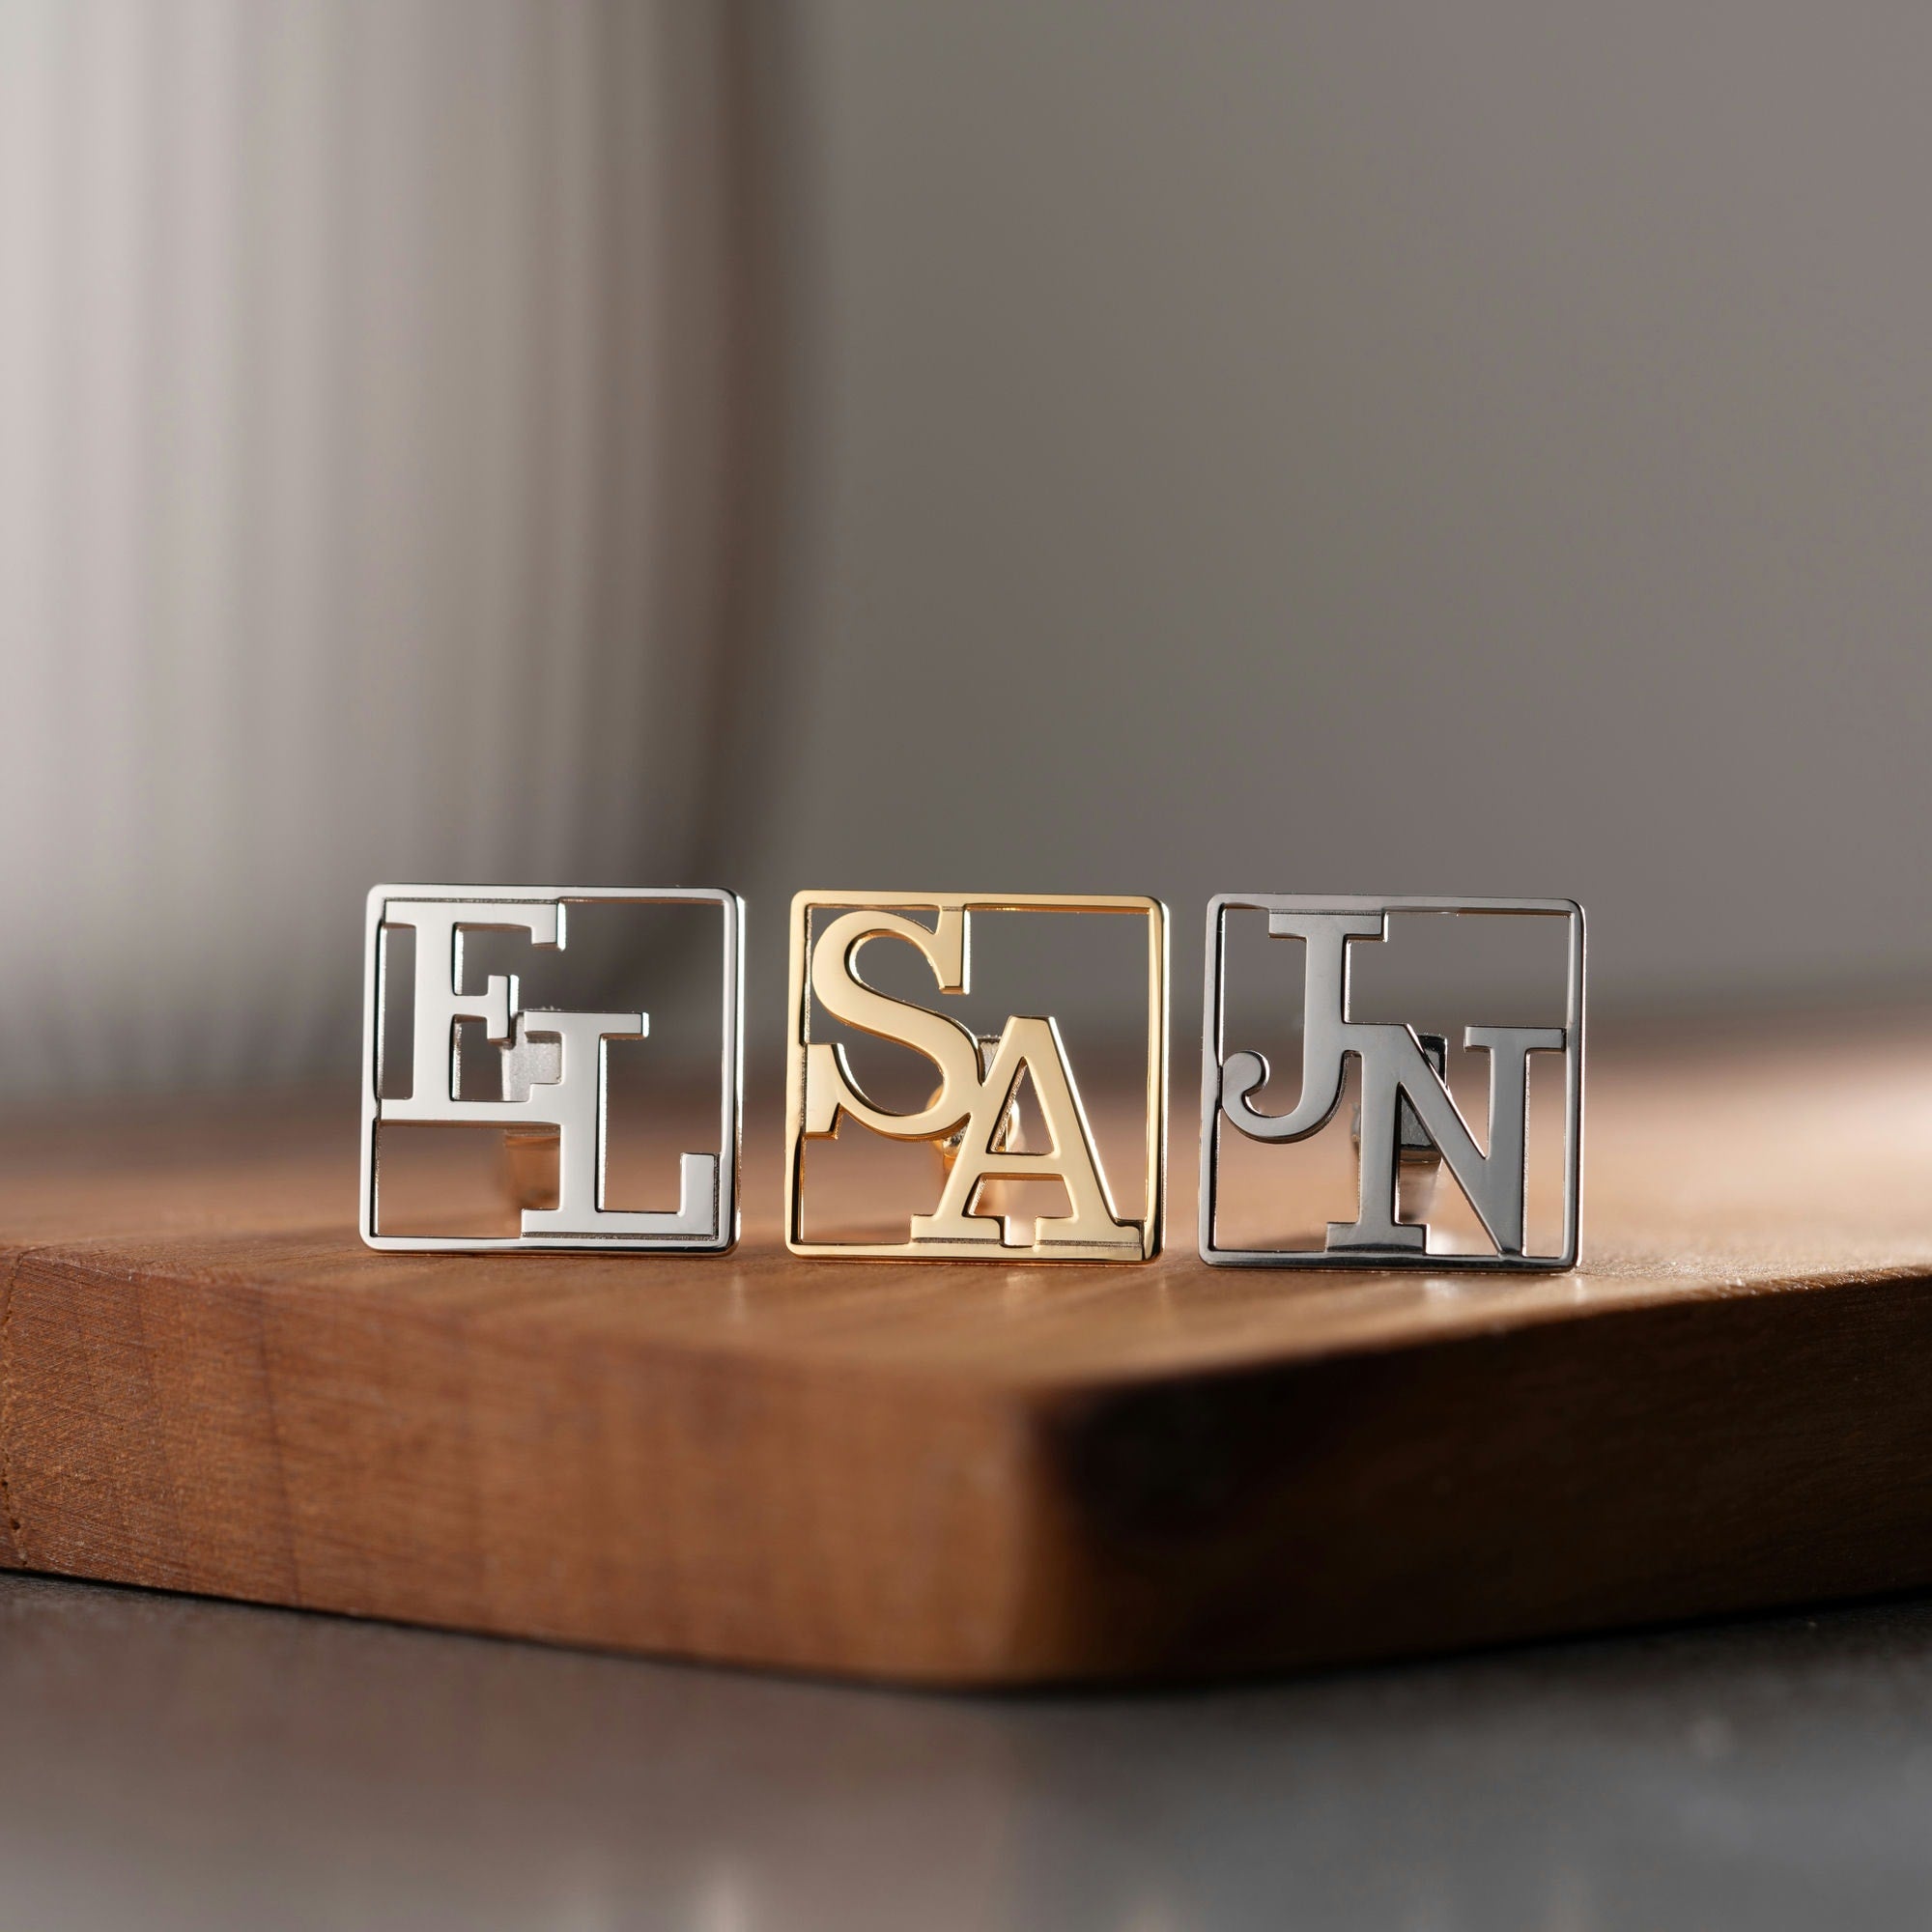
<point x="982" y="1476"/>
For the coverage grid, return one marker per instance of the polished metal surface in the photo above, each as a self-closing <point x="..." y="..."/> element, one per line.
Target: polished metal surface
<point x="553" y="1069"/>
<point x="183" y="1766"/>
<point x="969" y="1116"/>
<point x="1405" y="1099"/>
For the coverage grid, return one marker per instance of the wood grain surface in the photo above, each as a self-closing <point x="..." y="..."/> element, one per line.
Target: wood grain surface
<point x="982" y="1476"/>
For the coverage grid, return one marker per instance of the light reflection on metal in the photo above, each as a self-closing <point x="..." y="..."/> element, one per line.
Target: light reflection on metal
<point x="553" y="1072"/>
<point x="970" y="1117"/>
<point x="1408" y="1125"/>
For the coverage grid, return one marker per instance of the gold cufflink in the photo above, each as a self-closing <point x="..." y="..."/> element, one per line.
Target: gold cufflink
<point x="1007" y="1113"/>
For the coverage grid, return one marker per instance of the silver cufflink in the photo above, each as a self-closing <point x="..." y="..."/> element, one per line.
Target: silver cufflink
<point x="1406" y="1127"/>
<point x="539" y="1074"/>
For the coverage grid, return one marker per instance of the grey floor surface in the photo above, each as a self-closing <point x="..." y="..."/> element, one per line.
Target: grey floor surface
<point x="169" y="1763"/>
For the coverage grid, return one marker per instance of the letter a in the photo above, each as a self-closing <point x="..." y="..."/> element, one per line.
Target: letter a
<point x="1029" y="1046"/>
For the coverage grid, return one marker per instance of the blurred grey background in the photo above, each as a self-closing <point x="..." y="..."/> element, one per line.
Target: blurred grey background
<point x="1396" y="448"/>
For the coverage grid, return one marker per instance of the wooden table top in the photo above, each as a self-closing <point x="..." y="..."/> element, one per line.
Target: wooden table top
<point x="992" y="1474"/>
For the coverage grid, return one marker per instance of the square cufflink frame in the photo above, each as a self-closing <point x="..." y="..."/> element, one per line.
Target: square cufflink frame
<point x="1407" y="1115"/>
<point x="555" y="1061"/>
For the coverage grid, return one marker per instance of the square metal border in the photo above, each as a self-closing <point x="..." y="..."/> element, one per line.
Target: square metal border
<point x="731" y="1071"/>
<point x="798" y="1036"/>
<point x="1212" y="1015"/>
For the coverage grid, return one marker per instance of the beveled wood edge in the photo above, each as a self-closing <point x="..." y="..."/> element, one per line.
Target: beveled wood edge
<point x="1083" y="1618"/>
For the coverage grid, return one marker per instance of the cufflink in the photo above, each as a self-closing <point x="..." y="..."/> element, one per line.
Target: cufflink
<point x="449" y="1044"/>
<point x="1409" y="1133"/>
<point x="1006" y="1108"/>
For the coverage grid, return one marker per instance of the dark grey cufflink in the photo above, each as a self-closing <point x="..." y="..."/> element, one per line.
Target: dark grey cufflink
<point x="1408" y="1128"/>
